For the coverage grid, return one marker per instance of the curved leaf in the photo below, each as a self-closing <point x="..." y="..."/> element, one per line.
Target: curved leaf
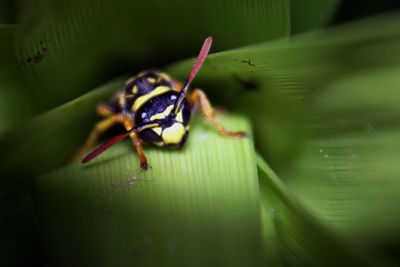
<point x="294" y="238"/>
<point x="16" y="100"/>
<point x="17" y="227"/>
<point x="74" y="44"/>
<point x="197" y="206"/>
<point x="347" y="172"/>
<point x="46" y="141"/>
<point x="7" y="11"/>
<point x="304" y="16"/>
<point x="325" y="112"/>
<point x="277" y="82"/>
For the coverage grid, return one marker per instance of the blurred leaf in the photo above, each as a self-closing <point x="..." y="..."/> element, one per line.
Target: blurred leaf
<point x="276" y="82"/>
<point x="352" y="10"/>
<point x="195" y="207"/>
<point x="293" y="238"/>
<point x="48" y="140"/>
<point x="18" y="231"/>
<point x="325" y="112"/>
<point x="30" y="148"/>
<point x="348" y="172"/>
<point x="18" y="234"/>
<point x="16" y="101"/>
<point x="309" y="15"/>
<point x="75" y="45"/>
<point x="7" y="11"/>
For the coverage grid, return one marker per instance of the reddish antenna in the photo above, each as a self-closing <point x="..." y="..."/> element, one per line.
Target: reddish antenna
<point x="101" y="148"/>
<point x="197" y="65"/>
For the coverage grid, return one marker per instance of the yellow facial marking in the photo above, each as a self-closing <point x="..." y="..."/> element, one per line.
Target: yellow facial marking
<point x="163" y="114"/>
<point x="144" y="98"/>
<point x="151" y="80"/>
<point x="158" y="143"/>
<point x="179" y="116"/>
<point x="173" y="134"/>
<point x="149" y="126"/>
<point x="135" y="89"/>
<point x="157" y="130"/>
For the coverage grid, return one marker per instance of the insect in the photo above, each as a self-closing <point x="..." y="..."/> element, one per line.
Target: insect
<point x="155" y="108"/>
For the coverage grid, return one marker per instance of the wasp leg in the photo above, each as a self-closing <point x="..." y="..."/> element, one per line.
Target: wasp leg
<point x="94" y="135"/>
<point x="104" y="110"/>
<point x="137" y="142"/>
<point x="200" y="97"/>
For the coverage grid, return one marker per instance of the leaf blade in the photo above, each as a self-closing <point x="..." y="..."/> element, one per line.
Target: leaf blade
<point x="196" y="206"/>
<point x="82" y="44"/>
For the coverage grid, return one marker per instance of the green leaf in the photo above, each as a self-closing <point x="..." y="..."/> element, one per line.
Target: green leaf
<point x="305" y="17"/>
<point x="294" y="238"/>
<point x="16" y="101"/>
<point x="78" y="44"/>
<point x="18" y="231"/>
<point x="277" y="82"/>
<point x="198" y="206"/>
<point x="28" y="149"/>
<point x="324" y="107"/>
<point x="17" y="227"/>
<point x="353" y="10"/>
<point x="7" y="11"/>
<point x="46" y="141"/>
<point x="347" y="172"/>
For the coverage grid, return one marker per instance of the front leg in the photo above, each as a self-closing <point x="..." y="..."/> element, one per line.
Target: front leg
<point x="200" y="97"/>
<point x="137" y="142"/>
<point x="99" y="128"/>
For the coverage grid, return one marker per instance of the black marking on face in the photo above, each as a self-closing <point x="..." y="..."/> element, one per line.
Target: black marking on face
<point x="150" y="135"/>
<point x="186" y="112"/>
<point x="154" y="106"/>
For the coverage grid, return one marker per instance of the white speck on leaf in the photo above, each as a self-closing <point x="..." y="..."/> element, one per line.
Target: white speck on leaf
<point x="147" y="240"/>
<point x="203" y="137"/>
<point x="172" y="245"/>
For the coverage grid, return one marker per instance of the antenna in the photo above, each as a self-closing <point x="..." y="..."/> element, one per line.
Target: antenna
<point x="197" y="65"/>
<point x="101" y="148"/>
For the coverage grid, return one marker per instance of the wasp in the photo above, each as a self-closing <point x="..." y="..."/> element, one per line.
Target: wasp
<point x="154" y="108"/>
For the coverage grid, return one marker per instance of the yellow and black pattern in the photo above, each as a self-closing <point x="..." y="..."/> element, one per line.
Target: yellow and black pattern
<point x="142" y="88"/>
<point x="171" y="130"/>
<point x="150" y="98"/>
<point x="155" y="108"/>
